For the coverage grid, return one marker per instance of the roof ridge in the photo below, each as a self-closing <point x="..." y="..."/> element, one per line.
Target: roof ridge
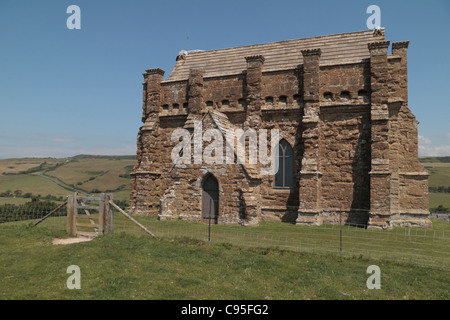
<point x="284" y="41"/>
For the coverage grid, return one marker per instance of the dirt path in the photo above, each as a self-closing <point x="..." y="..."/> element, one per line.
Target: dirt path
<point x="70" y="240"/>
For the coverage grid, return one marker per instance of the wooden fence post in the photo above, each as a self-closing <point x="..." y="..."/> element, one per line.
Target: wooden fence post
<point x="106" y="217"/>
<point x="71" y="226"/>
<point x="101" y="215"/>
<point x="109" y="214"/>
<point x="75" y="213"/>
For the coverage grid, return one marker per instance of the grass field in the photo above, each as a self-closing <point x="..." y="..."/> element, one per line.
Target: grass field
<point x="19" y="165"/>
<point x="93" y="174"/>
<point x="439" y="169"/>
<point x="428" y="247"/>
<point x="121" y="266"/>
<point x="439" y="174"/>
<point x="34" y="184"/>
<point x="12" y="200"/>
<point x="435" y="159"/>
<point x="439" y="198"/>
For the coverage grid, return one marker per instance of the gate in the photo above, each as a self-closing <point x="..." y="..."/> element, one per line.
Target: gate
<point x="89" y="216"/>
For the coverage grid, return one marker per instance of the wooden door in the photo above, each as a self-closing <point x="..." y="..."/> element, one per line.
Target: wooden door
<point x="210" y="199"/>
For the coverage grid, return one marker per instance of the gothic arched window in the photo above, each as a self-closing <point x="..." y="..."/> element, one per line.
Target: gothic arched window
<point x="284" y="177"/>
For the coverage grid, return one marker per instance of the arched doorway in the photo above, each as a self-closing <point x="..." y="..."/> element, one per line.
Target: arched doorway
<point x="284" y="178"/>
<point x="210" y="199"/>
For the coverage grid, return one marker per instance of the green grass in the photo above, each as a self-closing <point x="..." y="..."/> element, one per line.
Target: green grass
<point x="15" y="201"/>
<point x="121" y="266"/>
<point x="427" y="247"/>
<point x="417" y="246"/>
<point x="439" y="176"/>
<point x="439" y="198"/>
<point x="33" y="184"/>
<point x="439" y="170"/>
<point x="122" y="195"/>
<point x="18" y="165"/>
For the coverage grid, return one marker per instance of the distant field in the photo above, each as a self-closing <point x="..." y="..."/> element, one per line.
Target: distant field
<point x="33" y="184"/>
<point x="13" y="200"/>
<point x="439" y="198"/>
<point x="93" y="174"/>
<point x="122" y="195"/>
<point x="439" y="169"/>
<point x="21" y="165"/>
<point x="435" y="159"/>
<point x="439" y="175"/>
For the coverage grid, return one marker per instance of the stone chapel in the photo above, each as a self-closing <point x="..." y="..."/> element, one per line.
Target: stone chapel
<point x="347" y="146"/>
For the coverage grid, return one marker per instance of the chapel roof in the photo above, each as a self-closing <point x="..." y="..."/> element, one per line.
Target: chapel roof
<point x="283" y="55"/>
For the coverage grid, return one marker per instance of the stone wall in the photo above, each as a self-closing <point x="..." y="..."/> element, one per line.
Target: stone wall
<point x="345" y="150"/>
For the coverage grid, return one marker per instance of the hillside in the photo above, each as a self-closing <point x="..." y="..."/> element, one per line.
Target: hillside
<point x="435" y="160"/>
<point x="439" y="182"/>
<point x="54" y="179"/>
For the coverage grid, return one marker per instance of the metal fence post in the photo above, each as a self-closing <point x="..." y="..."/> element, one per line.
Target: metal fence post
<point x="209" y="224"/>
<point x="340" y="233"/>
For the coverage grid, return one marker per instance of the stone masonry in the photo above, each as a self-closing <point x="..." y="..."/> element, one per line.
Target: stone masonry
<point x="339" y="101"/>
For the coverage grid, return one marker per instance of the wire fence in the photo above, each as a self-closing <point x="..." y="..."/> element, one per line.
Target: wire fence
<point x="423" y="247"/>
<point x="33" y="212"/>
<point x="418" y="246"/>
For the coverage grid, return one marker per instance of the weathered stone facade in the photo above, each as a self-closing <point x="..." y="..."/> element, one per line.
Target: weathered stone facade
<point x="341" y="103"/>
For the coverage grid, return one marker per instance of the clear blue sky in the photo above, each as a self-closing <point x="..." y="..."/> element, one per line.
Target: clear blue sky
<point x="66" y="92"/>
